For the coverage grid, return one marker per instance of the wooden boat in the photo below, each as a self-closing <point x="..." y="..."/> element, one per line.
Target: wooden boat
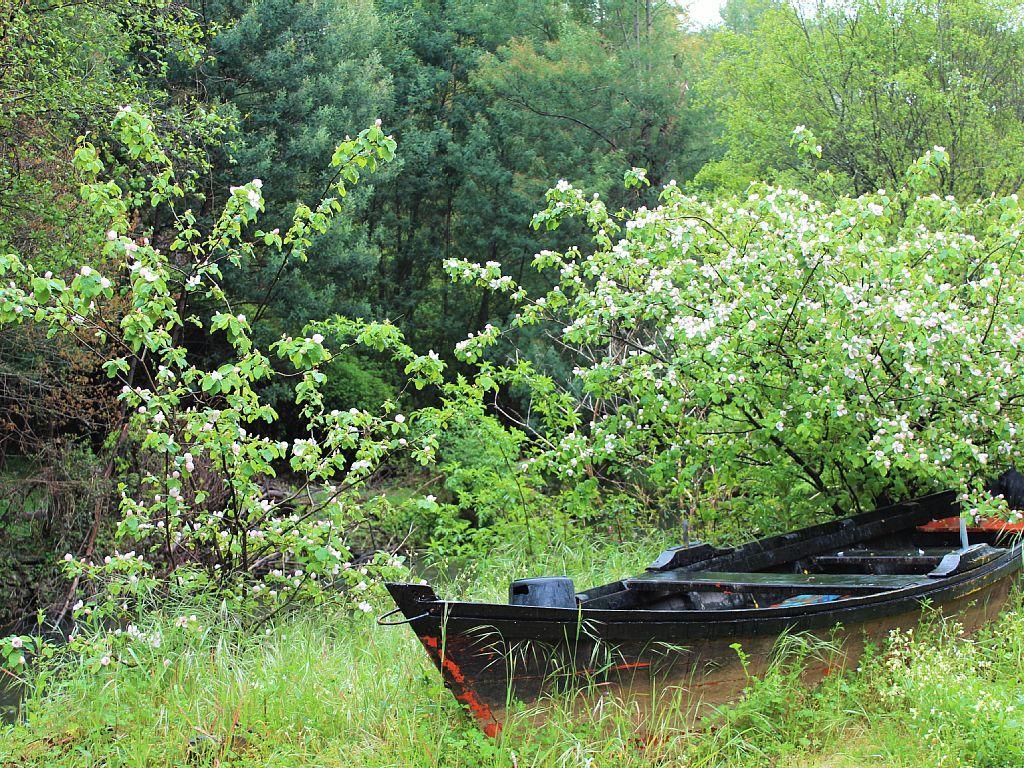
<point x="690" y="630"/>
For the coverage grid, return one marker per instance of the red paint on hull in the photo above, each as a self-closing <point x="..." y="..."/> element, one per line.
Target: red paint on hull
<point x="464" y="693"/>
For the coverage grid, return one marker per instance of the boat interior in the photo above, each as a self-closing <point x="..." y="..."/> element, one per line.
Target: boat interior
<point x="795" y="570"/>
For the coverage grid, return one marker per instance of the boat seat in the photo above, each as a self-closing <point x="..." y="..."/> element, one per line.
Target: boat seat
<point x="797" y="583"/>
<point x="938" y="561"/>
<point x="890" y="559"/>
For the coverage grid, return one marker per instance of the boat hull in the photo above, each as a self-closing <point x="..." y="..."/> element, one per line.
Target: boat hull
<point x="677" y="662"/>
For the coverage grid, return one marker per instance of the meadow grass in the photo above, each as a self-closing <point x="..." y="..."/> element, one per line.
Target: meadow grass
<point x="324" y="688"/>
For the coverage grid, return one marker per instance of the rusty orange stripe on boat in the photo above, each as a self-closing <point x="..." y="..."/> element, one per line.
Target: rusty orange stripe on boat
<point x="464" y="693"/>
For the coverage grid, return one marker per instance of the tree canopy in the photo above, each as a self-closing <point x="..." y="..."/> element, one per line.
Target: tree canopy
<point x="880" y="82"/>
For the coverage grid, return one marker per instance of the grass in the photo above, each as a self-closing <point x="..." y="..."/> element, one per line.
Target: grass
<point x="332" y="690"/>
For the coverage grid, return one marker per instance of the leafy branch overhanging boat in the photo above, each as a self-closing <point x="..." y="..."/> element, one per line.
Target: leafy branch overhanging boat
<point x="668" y="637"/>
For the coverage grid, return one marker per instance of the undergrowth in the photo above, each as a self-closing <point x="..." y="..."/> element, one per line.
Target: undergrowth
<point x="331" y="690"/>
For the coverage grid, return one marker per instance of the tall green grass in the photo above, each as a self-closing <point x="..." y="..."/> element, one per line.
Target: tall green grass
<point x="329" y="689"/>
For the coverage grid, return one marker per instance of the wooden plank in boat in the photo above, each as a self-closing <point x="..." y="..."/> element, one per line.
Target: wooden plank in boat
<point x="902" y="552"/>
<point x="888" y="558"/>
<point x="846" y="583"/>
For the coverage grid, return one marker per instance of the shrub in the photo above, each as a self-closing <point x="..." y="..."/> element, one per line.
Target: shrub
<point x="775" y="351"/>
<point x="205" y="515"/>
<point x="354" y="382"/>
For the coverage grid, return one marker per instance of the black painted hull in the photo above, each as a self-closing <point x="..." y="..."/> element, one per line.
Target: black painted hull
<point x="490" y="655"/>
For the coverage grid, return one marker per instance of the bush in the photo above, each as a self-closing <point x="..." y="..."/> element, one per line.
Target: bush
<point x="775" y="352"/>
<point x="204" y="513"/>
<point x="354" y="382"/>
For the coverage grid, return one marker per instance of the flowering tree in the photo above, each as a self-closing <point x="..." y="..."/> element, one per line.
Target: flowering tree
<point x="202" y="516"/>
<point x="776" y="351"/>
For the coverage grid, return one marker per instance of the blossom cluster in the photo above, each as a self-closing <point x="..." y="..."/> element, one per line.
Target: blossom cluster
<point x="773" y="348"/>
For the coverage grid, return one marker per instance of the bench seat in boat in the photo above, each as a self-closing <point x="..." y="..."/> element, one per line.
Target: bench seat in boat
<point x="883" y="558"/>
<point x="798" y="583"/>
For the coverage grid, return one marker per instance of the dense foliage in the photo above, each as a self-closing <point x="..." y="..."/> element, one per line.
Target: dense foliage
<point x="258" y="354"/>
<point x="64" y="69"/>
<point x="202" y="504"/>
<point x="879" y="82"/>
<point x="230" y="371"/>
<point x="773" y="351"/>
